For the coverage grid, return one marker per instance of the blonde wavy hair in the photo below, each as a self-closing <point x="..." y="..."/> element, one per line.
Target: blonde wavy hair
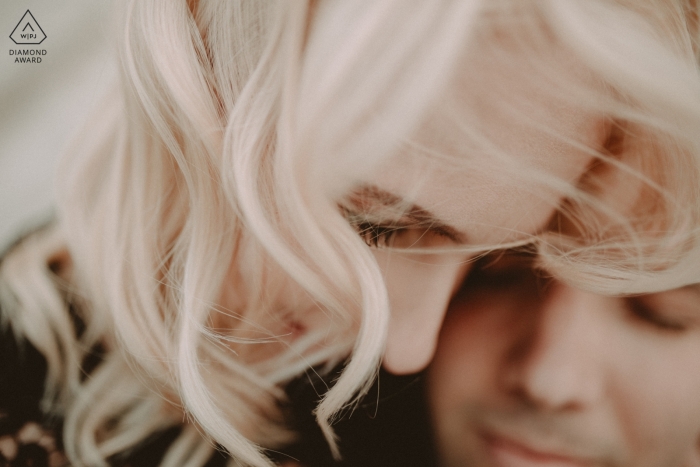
<point x="204" y="196"/>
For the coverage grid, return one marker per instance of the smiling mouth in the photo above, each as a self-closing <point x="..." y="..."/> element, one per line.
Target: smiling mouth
<point x="505" y="452"/>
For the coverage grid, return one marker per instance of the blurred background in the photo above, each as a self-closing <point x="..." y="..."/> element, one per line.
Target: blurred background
<point x="43" y="105"/>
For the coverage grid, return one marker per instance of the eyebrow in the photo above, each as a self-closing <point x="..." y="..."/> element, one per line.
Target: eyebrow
<point x="368" y="197"/>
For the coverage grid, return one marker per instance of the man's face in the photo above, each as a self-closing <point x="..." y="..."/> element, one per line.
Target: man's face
<point x="533" y="372"/>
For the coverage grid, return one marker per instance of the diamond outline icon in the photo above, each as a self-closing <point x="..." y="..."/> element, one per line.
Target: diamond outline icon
<point x="28" y="20"/>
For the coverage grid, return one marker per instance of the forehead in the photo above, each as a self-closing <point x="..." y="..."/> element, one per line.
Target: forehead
<point x="479" y="160"/>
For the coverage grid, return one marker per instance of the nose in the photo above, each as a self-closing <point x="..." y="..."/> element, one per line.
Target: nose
<point x="419" y="294"/>
<point x="556" y="364"/>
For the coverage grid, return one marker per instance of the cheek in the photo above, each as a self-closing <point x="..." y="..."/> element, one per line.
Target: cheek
<point x="659" y="397"/>
<point x="274" y="318"/>
<point x="464" y="375"/>
<point x="471" y="349"/>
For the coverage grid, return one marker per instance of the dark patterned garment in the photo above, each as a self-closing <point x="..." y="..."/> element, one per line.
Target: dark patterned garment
<point x="31" y="438"/>
<point x="27" y="437"/>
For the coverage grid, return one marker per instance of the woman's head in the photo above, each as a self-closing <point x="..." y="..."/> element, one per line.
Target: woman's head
<point x="213" y="212"/>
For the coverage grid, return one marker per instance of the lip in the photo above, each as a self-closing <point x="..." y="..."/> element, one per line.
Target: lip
<point x="506" y="452"/>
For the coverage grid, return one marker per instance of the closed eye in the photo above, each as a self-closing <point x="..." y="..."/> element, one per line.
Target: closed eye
<point x="505" y="270"/>
<point x="652" y="312"/>
<point x="399" y="235"/>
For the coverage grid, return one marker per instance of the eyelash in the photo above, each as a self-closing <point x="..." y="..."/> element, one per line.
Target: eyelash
<point x="375" y="235"/>
<point x="504" y="269"/>
<point x="652" y="317"/>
